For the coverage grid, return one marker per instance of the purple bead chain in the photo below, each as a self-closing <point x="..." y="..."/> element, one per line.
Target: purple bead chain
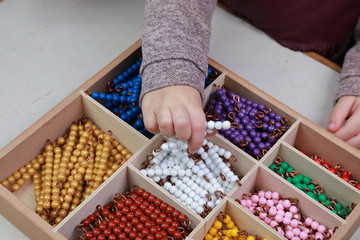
<point x="255" y="127"/>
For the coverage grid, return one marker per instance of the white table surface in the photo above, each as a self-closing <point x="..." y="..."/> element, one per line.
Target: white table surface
<point x="49" y="48"/>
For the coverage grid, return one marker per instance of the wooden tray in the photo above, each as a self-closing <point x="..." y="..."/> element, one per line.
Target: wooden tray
<point x="303" y="134"/>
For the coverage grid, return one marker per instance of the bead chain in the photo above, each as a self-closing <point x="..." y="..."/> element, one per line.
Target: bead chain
<point x="283" y="215"/>
<point x="311" y="188"/>
<point x="198" y="180"/>
<point x="136" y="214"/>
<point x="255" y="127"/>
<point x="224" y="228"/>
<point x="66" y="172"/>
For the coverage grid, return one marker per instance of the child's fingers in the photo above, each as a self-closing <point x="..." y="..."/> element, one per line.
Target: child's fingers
<point x="340" y="112"/>
<point x="351" y="127"/>
<point x="150" y="122"/>
<point x="354" y="141"/>
<point x="198" y="129"/>
<point x="182" y="124"/>
<point x="165" y="122"/>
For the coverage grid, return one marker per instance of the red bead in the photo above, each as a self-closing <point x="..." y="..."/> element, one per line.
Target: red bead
<point x="102" y="226"/>
<point x="140" y="227"/>
<point x="157" y="210"/>
<point x="91" y="217"/>
<point x="177" y="235"/>
<point x="143" y="218"/>
<point x="120" y="205"/>
<point x="175" y="213"/>
<point x="125" y="210"/>
<point x="138" y="200"/>
<point x="153" y="216"/>
<point x="112" y="224"/>
<point x="162" y="215"/>
<point x="146" y="203"/>
<point x="333" y="170"/>
<point x="150" y="237"/>
<point x="165" y="225"/>
<point x="117" y="230"/>
<point x="138" y="238"/>
<point x="132" y="235"/>
<point x="130" y="215"/>
<point x="101" y="237"/>
<point x="86" y="222"/>
<point x="358" y="186"/>
<point x="117" y="221"/>
<point x="96" y="232"/>
<point x="148" y="224"/>
<point x="169" y="209"/>
<point x="105" y="212"/>
<point x="134" y="221"/>
<point x="121" y="225"/>
<point x="346" y="173"/>
<point x="159" y="221"/>
<point x="318" y="160"/>
<point x="132" y="207"/>
<point x="182" y="217"/>
<point x="145" y="232"/>
<point x="145" y="195"/>
<point x="171" y="230"/>
<point x="122" y="236"/>
<point x="128" y="202"/>
<point x="163" y="206"/>
<point x="157" y="202"/>
<point x="142" y="207"/>
<point x="88" y="235"/>
<point x="168" y="219"/>
<point x="107" y="232"/>
<point x="175" y="224"/>
<point x="127" y="230"/>
<point x="345" y="178"/>
<point x="112" y="237"/>
<point x="158" y="236"/>
<point x="151" y="198"/>
<point x="153" y="229"/>
<point x="118" y="214"/>
<point x="326" y="165"/>
<point x="140" y="191"/>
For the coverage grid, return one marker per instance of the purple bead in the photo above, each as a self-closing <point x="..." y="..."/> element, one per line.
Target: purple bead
<point x="253" y="133"/>
<point x="252" y="146"/>
<point x="227" y="132"/>
<point x="256" y="140"/>
<point x="265" y="126"/>
<point x="236" y="132"/>
<point x="244" y="132"/>
<point x="249" y="127"/>
<point x="252" y="114"/>
<point x="237" y="120"/>
<point x="264" y="135"/>
<point x="277" y="124"/>
<point x="266" y="119"/>
<point x="236" y="140"/>
<point x="256" y="152"/>
<point x="261" y="107"/>
<point x="249" y="102"/>
<point x="267" y="144"/>
<point x="242" y="99"/>
<point x="271" y="128"/>
<point x="272" y="115"/>
<point x="261" y="145"/>
<point x="217" y="111"/>
<point x="277" y="118"/>
<point x="240" y="127"/>
<point x="247" y="138"/>
<point x="248" y="108"/>
<point x="245" y="121"/>
<point x="254" y="105"/>
<point x="241" y="115"/>
<point x="222" y="98"/>
<point x="226" y="104"/>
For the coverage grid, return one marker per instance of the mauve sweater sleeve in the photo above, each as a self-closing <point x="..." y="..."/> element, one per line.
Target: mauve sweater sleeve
<point x="349" y="84"/>
<point x="175" y="43"/>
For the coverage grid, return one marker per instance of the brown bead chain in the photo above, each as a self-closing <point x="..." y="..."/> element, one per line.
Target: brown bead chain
<point x="70" y="169"/>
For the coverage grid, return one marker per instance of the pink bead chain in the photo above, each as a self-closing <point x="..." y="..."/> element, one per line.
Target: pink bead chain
<point x="284" y="216"/>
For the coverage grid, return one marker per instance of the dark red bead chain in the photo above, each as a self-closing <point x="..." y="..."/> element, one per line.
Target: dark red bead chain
<point x="136" y="214"/>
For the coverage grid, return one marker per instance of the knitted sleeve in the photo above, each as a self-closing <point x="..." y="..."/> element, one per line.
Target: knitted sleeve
<point x="175" y="43"/>
<point x="350" y="75"/>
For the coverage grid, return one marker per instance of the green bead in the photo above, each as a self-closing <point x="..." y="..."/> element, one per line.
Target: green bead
<point x="289" y="179"/>
<point x="311" y="194"/>
<point x="334" y="211"/>
<point x="284" y="165"/>
<point x="296" y="180"/>
<point x="301" y="177"/>
<point x="322" y="198"/>
<point x="298" y="185"/>
<point x="339" y="206"/>
<point x="327" y="202"/>
<point x="307" y="180"/>
<point x="280" y="170"/>
<point x="272" y="167"/>
<point x="289" y="169"/>
<point x="311" y="187"/>
<point x="303" y="186"/>
<point x="342" y="212"/>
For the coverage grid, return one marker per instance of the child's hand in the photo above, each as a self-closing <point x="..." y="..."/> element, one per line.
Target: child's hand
<point x="175" y="111"/>
<point x="347" y="108"/>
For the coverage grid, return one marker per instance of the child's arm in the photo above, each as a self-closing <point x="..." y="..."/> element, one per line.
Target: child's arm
<point x="175" y="45"/>
<point x="348" y="104"/>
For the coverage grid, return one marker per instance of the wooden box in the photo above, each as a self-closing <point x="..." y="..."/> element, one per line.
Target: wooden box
<point x="303" y="134"/>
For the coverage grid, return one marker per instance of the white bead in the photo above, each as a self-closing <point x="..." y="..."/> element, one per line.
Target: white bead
<point x="178" y="193"/>
<point x="183" y="197"/>
<point x="211" y="204"/>
<point x="209" y="131"/>
<point x="201" y="202"/>
<point x="150" y="172"/>
<point x="227" y="155"/>
<point x="143" y="171"/>
<point x="190" y="164"/>
<point x="226" y="125"/>
<point x="207" y="186"/>
<point x="221" y="151"/>
<point x="215" y="148"/>
<point x="222" y="165"/>
<point x="210" y="144"/>
<point x="184" y="147"/>
<point x="178" y="182"/>
<point x="181" y="173"/>
<point x="229" y="175"/>
<point x="187" y="190"/>
<point x="203" y="193"/>
<point x="188" y="201"/>
<point x="188" y="172"/>
<point x="199" y="210"/>
<point x="170" y="163"/>
<point x="194" y="205"/>
<point x="182" y="166"/>
<point x="172" y="189"/>
<point x="210" y="124"/>
<point x="198" y="190"/>
<point x="218" y="160"/>
<point x="167" y="185"/>
<point x="212" y="166"/>
<point x="208" y="161"/>
<point x="174" y="151"/>
<point x="200" y="151"/>
<point x="185" y="179"/>
<point x="172" y="145"/>
<point x="200" y="173"/>
<point x="205" y="142"/>
<point x="191" y="194"/>
<point x="156" y="178"/>
<point x="173" y="172"/>
<point x="182" y="186"/>
<point x="204" y="155"/>
<point x="212" y="190"/>
<point x="226" y="170"/>
<point x="218" y="125"/>
<point x="174" y="179"/>
<point x="217" y="171"/>
<point x="163" y="165"/>
<point x="196" y="197"/>
<point x="234" y="178"/>
<point x="164" y="146"/>
<point x="217" y="201"/>
<point x="166" y="171"/>
<point x="195" y="169"/>
<point x="177" y="167"/>
<point x="158" y="172"/>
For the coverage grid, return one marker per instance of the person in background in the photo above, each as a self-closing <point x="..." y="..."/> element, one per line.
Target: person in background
<point x="175" y="45"/>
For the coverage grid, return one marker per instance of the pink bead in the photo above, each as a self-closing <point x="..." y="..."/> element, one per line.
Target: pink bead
<point x="319" y="236"/>
<point x="286" y="220"/>
<point x="281" y="212"/>
<point x="331" y="231"/>
<point x="268" y="220"/>
<point x="296" y="231"/>
<point x="303" y="235"/>
<point x="279" y="218"/>
<point x="262" y="215"/>
<point x="261" y="193"/>
<point x="288" y="214"/>
<point x="275" y="195"/>
<point x="255" y="198"/>
<point x="273" y="223"/>
<point x="296" y="216"/>
<point x="262" y="201"/>
<point x="295" y="238"/>
<point x="289" y="234"/>
<point x="314" y="225"/>
<point x="287" y="204"/>
<point x="280" y="206"/>
<point x="269" y="203"/>
<point x="254" y="204"/>
<point x="288" y="228"/>
<point x="249" y="203"/>
<point x="293" y="209"/>
<point x="243" y="203"/>
<point x="268" y="194"/>
<point x="280" y="231"/>
<point x="252" y="209"/>
<point x="272" y="211"/>
<point x="321" y="228"/>
<point x="294" y="223"/>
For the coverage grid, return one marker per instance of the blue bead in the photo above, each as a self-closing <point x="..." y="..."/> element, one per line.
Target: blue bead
<point x="102" y="96"/>
<point x="116" y="98"/>
<point x="95" y="95"/>
<point x="109" y="97"/>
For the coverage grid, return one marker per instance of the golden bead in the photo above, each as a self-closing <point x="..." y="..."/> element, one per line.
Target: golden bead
<point x="44" y="216"/>
<point x="124" y="152"/>
<point x="15" y="187"/>
<point x="128" y="156"/>
<point x="81" y="170"/>
<point x="20" y="182"/>
<point x="72" y="207"/>
<point x="115" y="167"/>
<point x="46" y="204"/>
<point x="36" y="166"/>
<point x="96" y="185"/>
<point x="22" y="170"/>
<point x="62" y="213"/>
<point x="5" y="183"/>
<point x="120" y="148"/>
<point x="58" y="220"/>
<point x="74" y="184"/>
<point x="68" y="198"/>
<point x="49" y="148"/>
<point x="31" y="171"/>
<point x="11" y="179"/>
<point x="76" y="201"/>
<point x="26" y="176"/>
<point x="55" y="204"/>
<point x="65" y="205"/>
<point x="39" y="209"/>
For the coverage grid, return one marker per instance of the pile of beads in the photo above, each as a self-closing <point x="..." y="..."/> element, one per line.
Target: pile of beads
<point x="122" y="96"/>
<point x="137" y="215"/>
<point x="198" y="180"/>
<point x="225" y="228"/>
<point x="255" y="127"/>
<point x="284" y="216"/>
<point x="337" y="170"/>
<point x="311" y="188"/>
<point x="70" y="169"/>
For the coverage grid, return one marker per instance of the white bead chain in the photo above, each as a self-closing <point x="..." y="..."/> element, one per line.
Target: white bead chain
<point x="198" y="183"/>
<point x="211" y="125"/>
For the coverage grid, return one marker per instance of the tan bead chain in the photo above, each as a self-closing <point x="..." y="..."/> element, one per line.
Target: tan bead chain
<point x="70" y="169"/>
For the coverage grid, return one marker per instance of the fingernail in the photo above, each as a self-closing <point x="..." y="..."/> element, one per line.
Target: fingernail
<point x="331" y="126"/>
